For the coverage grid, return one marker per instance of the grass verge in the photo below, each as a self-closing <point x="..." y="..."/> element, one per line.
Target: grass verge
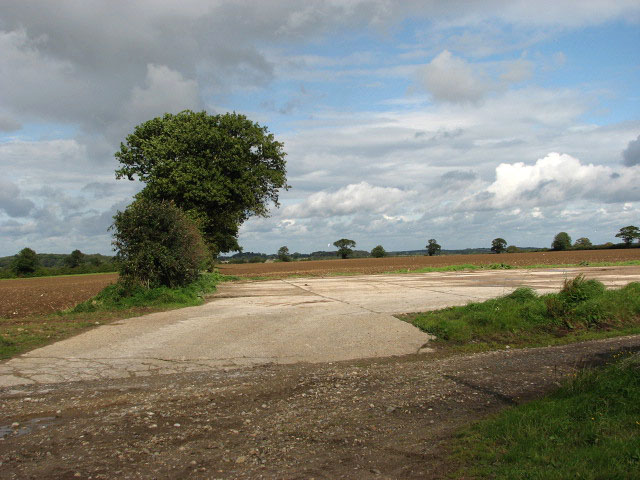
<point x="582" y="310"/>
<point x="506" y="266"/>
<point x="589" y="428"/>
<point x="113" y="303"/>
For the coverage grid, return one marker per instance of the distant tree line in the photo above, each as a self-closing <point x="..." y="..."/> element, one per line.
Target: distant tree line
<point x="28" y="263"/>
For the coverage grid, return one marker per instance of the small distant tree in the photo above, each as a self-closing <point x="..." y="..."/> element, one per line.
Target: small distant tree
<point x="512" y="249"/>
<point x="583" y="243"/>
<point x="378" y="252"/>
<point x="157" y="245"/>
<point x="433" y="248"/>
<point x="498" y="245"/>
<point x="562" y="241"/>
<point x="283" y="254"/>
<point x="344" y="246"/>
<point x="25" y="263"/>
<point x="628" y="234"/>
<point x="75" y="259"/>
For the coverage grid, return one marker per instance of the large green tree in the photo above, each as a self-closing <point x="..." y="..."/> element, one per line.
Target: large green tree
<point x="25" y="263"/>
<point x="628" y="234"/>
<point x="219" y="169"/>
<point x="75" y="259"/>
<point x="344" y="246"/>
<point x="433" y="248"/>
<point x="498" y="245"/>
<point x="562" y="241"/>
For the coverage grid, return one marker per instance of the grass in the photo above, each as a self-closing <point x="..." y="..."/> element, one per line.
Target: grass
<point x="582" y="310"/>
<point x="113" y="303"/>
<point x="588" y="429"/>
<point x="505" y="266"/>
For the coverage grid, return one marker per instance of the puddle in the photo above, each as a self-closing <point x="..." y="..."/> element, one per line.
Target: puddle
<point x="26" y="427"/>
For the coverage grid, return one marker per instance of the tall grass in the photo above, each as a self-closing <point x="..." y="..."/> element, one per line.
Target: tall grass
<point x="121" y="297"/>
<point x="523" y="316"/>
<point x="588" y="429"/>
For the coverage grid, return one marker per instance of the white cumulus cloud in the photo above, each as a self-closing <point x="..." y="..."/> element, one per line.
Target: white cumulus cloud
<point x="354" y="198"/>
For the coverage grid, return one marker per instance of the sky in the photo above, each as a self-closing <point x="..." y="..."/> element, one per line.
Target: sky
<point x="402" y="121"/>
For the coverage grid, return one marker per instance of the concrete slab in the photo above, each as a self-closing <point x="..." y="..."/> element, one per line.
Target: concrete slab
<point x="282" y="321"/>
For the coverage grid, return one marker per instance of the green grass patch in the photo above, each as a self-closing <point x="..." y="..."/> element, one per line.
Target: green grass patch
<point x="115" y="302"/>
<point x="582" y="310"/>
<point x="506" y="266"/>
<point x="588" y="429"/>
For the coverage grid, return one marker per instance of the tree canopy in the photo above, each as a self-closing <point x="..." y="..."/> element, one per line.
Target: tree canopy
<point x="219" y="169"/>
<point x="344" y="246"/>
<point x="283" y="254"/>
<point x="378" y="251"/>
<point x="562" y="241"/>
<point x="498" y="245"/>
<point x="582" y="242"/>
<point x="433" y="248"/>
<point x="25" y="263"/>
<point x="75" y="259"/>
<point x="629" y="234"/>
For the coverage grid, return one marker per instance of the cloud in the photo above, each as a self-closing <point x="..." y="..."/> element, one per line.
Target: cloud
<point x="352" y="199"/>
<point x="12" y="202"/>
<point x="8" y="124"/>
<point x="631" y="154"/>
<point x="555" y="179"/>
<point x="517" y="71"/>
<point x="452" y="79"/>
<point x="165" y="90"/>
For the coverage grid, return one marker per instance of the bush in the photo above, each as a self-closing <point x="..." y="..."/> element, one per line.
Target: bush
<point x="378" y="252"/>
<point x="157" y="245"/>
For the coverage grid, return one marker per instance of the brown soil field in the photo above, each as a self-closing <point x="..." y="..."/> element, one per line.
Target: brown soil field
<point x="33" y="296"/>
<point x="381" y="265"/>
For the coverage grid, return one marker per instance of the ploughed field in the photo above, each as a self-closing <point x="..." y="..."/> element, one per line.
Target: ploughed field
<point x="381" y="265"/>
<point x="32" y="296"/>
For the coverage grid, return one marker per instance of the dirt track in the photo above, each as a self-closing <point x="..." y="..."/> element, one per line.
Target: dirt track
<point x="380" y="419"/>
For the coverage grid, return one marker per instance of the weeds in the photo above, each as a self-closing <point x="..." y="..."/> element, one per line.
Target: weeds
<point x="523" y="317"/>
<point x="589" y="429"/>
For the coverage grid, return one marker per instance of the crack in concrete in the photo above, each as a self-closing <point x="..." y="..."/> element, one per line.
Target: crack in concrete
<point x="334" y="299"/>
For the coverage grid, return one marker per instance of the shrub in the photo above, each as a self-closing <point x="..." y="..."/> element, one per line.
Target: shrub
<point x="378" y="252"/>
<point x="579" y="290"/>
<point x="157" y="245"/>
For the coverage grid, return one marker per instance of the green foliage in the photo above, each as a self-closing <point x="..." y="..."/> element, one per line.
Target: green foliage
<point x="283" y="254"/>
<point x="378" y="252"/>
<point x="519" y="317"/>
<point x="219" y="169"/>
<point x="586" y="429"/>
<point x="512" y="249"/>
<point x="629" y="234"/>
<point x="583" y="243"/>
<point x="75" y="259"/>
<point x="25" y="263"/>
<point x="498" y="245"/>
<point x="344" y="246"/>
<point x="121" y="296"/>
<point x="433" y="248"/>
<point x="157" y="245"/>
<point x="562" y="241"/>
